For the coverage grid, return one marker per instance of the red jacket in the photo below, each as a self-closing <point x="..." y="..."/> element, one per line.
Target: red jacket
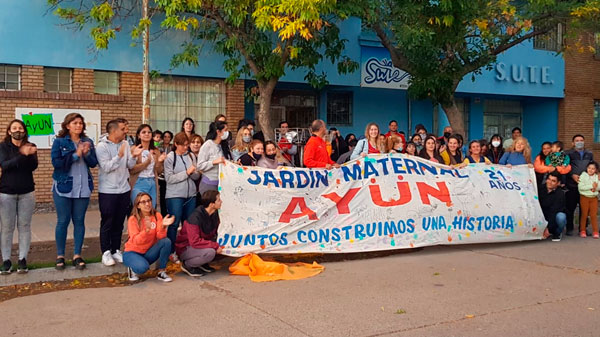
<point x="315" y="153"/>
<point x="191" y="234"/>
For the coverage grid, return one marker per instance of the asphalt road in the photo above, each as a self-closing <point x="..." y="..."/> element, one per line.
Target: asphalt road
<point x="516" y="289"/>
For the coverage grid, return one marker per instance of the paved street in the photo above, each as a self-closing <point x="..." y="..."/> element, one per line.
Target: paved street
<point x="516" y="289"/>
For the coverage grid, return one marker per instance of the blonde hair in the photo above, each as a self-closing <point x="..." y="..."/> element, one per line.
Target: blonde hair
<point x="381" y="146"/>
<point x="393" y="140"/>
<point x="526" y="150"/>
<point x="239" y="141"/>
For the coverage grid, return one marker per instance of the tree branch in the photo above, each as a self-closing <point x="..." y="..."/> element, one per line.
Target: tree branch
<point x="515" y="42"/>
<point x="398" y="59"/>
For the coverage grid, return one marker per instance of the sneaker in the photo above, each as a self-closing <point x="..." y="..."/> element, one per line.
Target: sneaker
<point x="132" y="275"/>
<point x="596" y="235"/>
<point x="6" y="266"/>
<point x="163" y="276"/>
<point x="107" y="259"/>
<point x="118" y="256"/>
<point x="556" y="238"/>
<point x="22" y="266"/>
<point x="193" y="272"/>
<point x="569" y="232"/>
<point x="174" y="258"/>
<point x="207" y="268"/>
<point x="583" y="234"/>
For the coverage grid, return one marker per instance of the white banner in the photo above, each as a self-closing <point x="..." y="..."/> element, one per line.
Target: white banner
<point x="43" y="124"/>
<point x="377" y="203"/>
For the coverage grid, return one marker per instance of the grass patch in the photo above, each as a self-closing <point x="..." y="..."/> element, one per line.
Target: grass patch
<point x="39" y="265"/>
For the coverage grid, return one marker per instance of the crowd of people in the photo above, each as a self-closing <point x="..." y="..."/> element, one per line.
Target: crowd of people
<point x="178" y="174"/>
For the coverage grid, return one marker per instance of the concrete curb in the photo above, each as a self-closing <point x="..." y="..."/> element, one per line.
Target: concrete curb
<point x="51" y="274"/>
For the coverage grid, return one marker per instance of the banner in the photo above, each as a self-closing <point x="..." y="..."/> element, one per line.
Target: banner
<point x="376" y="203"/>
<point x="43" y="124"/>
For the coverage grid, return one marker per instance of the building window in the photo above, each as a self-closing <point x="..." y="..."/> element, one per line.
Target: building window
<point x="106" y="82"/>
<point x="597" y="121"/>
<point x="10" y="77"/>
<point x="57" y="80"/>
<point x="339" y="108"/>
<point x="500" y="117"/>
<point x="173" y="99"/>
<point x="552" y="41"/>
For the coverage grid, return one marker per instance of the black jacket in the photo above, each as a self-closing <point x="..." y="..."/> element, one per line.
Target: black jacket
<point x="578" y="165"/>
<point x="17" y="170"/>
<point x="551" y="204"/>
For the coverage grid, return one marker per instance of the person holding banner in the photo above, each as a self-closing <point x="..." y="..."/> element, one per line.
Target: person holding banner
<point x="371" y="144"/>
<point x="552" y="201"/>
<point x="451" y="154"/>
<point x="180" y="173"/>
<point x="18" y="160"/>
<point x="518" y="153"/>
<point x="429" y="151"/>
<point x="315" y="150"/>
<point x="73" y="155"/>
<point x="475" y="155"/>
<point x="495" y="150"/>
<point x="196" y="242"/>
<point x="255" y="154"/>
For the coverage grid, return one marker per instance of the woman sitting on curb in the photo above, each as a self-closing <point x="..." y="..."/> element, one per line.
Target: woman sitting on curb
<point x="196" y="243"/>
<point x="148" y="240"/>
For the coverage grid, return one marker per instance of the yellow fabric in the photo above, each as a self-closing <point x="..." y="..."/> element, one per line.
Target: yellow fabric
<point x="263" y="271"/>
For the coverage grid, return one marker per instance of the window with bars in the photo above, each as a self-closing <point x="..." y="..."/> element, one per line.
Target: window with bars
<point x="57" y="80"/>
<point x="552" y="41"/>
<point x="339" y="108"/>
<point x="10" y="78"/>
<point x="173" y="99"/>
<point x="106" y="82"/>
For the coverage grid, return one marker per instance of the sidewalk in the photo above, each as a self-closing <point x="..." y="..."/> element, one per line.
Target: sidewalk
<point x="43" y="225"/>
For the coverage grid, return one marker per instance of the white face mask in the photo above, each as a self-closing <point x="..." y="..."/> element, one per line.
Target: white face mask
<point x="496" y="143"/>
<point x="225" y="135"/>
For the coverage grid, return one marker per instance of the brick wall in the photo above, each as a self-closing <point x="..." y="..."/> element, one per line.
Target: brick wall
<point x="582" y="86"/>
<point x="127" y="104"/>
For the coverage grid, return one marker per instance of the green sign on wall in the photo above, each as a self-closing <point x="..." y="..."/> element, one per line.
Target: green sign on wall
<point x="38" y="124"/>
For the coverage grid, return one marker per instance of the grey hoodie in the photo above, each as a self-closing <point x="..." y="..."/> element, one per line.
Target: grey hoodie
<point x="113" y="173"/>
<point x="179" y="184"/>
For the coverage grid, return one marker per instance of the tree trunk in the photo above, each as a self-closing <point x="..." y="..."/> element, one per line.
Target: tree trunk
<point x="456" y="118"/>
<point x="146" y="72"/>
<point x="265" y="91"/>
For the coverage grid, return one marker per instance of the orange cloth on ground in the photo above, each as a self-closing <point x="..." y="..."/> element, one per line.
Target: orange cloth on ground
<point x="263" y="271"/>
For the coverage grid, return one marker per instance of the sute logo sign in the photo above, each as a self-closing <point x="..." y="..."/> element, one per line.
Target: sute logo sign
<point x="383" y="71"/>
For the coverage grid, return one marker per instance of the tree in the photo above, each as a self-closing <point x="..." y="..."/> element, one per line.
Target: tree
<point x="441" y="42"/>
<point x="261" y="39"/>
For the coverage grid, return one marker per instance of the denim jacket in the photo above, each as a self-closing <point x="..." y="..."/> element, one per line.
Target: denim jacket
<point x="62" y="154"/>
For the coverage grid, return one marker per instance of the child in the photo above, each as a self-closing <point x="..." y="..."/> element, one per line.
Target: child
<point x="588" y="201"/>
<point x="558" y="159"/>
<point x="411" y="148"/>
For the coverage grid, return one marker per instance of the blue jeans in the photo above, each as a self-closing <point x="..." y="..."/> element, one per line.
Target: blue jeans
<point x="561" y="222"/>
<point x="180" y="208"/>
<point x="67" y="209"/>
<point x="140" y="263"/>
<point x="147" y="185"/>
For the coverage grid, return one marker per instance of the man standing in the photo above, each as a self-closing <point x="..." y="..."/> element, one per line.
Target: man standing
<point x="552" y="201"/>
<point x="315" y="151"/>
<point x="516" y="133"/>
<point x="580" y="158"/>
<point x="114" y="160"/>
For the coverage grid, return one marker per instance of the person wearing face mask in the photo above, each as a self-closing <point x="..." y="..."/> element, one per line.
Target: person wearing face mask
<point x="417" y="141"/>
<point x="448" y="131"/>
<point x="270" y="159"/>
<point x="495" y="150"/>
<point x="395" y="144"/>
<point x="225" y="145"/>
<point x="18" y="160"/>
<point x="255" y="154"/>
<point x="210" y="156"/>
<point x="579" y="158"/>
<point x="242" y="143"/>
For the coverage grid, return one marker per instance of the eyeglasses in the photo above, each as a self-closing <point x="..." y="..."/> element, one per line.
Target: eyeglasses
<point x="146" y="201"/>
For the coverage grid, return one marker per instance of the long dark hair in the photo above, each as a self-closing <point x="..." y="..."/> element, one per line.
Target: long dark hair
<point x="68" y="119"/>
<point x="193" y="124"/>
<point x="542" y="156"/>
<point x="500" y="148"/>
<point x="8" y="138"/>
<point x="138" y="141"/>
<point x="213" y="128"/>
